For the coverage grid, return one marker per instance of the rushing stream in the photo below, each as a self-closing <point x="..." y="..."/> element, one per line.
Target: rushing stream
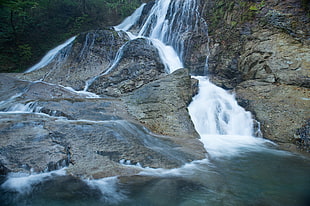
<point x="240" y="168"/>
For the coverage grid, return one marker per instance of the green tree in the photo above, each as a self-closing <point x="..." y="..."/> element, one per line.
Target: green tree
<point x="29" y="28"/>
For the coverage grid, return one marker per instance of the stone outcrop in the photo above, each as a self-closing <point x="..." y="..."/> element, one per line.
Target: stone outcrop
<point x="140" y="117"/>
<point x="46" y="127"/>
<point x="261" y="50"/>
<point x="275" y="58"/>
<point x="281" y="109"/>
<point x="138" y="64"/>
<point x="90" y="55"/>
<point x="162" y="105"/>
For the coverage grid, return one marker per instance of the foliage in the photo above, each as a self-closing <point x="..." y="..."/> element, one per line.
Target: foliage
<point x="253" y="8"/>
<point x="231" y="13"/>
<point x="31" y="27"/>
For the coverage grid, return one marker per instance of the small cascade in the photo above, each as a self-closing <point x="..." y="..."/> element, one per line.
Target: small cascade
<point x="171" y="22"/>
<point x="30" y="107"/>
<point x="225" y="128"/>
<point x="131" y="20"/>
<point x="215" y="112"/>
<point x="113" y="64"/>
<point x="168" y="25"/>
<point x="51" y="55"/>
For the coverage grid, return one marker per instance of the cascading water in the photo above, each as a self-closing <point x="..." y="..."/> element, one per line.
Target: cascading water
<point x="168" y="25"/>
<point x="52" y="54"/>
<point x="214" y="111"/>
<point x="225" y="128"/>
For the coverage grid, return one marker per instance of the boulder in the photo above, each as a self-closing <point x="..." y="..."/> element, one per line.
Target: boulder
<point x="162" y="105"/>
<point x="281" y="110"/>
<point x="138" y="63"/>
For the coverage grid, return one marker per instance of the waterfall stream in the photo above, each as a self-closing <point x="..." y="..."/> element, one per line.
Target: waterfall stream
<point x="214" y="112"/>
<point x="51" y="55"/>
<point x="240" y="169"/>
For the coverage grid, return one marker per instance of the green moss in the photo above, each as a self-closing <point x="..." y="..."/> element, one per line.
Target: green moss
<point x="253" y="8"/>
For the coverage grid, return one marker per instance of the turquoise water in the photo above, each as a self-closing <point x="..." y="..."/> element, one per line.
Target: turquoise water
<point x="253" y="178"/>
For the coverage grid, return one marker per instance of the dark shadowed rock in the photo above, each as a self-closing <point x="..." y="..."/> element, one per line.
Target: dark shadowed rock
<point x="302" y="137"/>
<point x="139" y="63"/>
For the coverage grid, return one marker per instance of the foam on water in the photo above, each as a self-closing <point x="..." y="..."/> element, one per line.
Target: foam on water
<point x="109" y="189"/>
<point x="225" y="128"/>
<point x="23" y="183"/>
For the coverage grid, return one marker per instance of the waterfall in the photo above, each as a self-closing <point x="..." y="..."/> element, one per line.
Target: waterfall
<point x="168" y="25"/>
<point x="170" y="22"/>
<point x="223" y="125"/>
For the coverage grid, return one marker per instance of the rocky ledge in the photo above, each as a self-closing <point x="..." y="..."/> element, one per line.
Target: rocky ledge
<point x="260" y="50"/>
<point x="45" y="126"/>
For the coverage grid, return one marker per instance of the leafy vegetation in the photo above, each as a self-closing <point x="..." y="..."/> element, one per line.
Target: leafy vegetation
<point x="231" y="12"/>
<point x="31" y="27"/>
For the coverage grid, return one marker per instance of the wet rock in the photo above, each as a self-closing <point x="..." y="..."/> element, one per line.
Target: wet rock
<point x="196" y="54"/>
<point x="25" y="143"/>
<point x="3" y="170"/>
<point x="89" y="55"/>
<point x="32" y="142"/>
<point x="94" y="137"/>
<point x="264" y="56"/>
<point x="162" y="105"/>
<point x="281" y="109"/>
<point x="302" y="137"/>
<point x="139" y="64"/>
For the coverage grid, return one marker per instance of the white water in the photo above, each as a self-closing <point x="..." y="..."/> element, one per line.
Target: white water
<point x="131" y="20"/>
<point x="170" y="21"/>
<point x="29" y="107"/>
<point x="153" y="29"/>
<point x="50" y="56"/>
<point x="109" y="189"/>
<point x="22" y="183"/>
<point x="225" y="127"/>
<point x="215" y="112"/>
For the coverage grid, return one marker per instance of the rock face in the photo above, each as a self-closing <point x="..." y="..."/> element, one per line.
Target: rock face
<point x="281" y="109"/>
<point x="140" y="117"/>
<point x="45" y="127"/>
<point x="138" y="63"/>
<point x="162" y="105"/>
<point x="263" y="54"/>
<point x="90" y="55"/>
<point x="276" y="57"/>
